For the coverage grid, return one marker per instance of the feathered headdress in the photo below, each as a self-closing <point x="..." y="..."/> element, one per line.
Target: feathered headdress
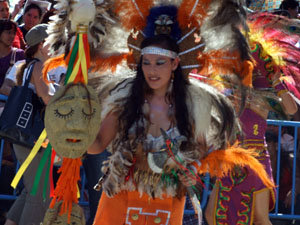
<point x="206" y="31"/>
<point x="278" y="37"/>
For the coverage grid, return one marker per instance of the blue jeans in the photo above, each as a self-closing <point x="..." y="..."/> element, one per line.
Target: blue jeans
<point x="92" y="166"/>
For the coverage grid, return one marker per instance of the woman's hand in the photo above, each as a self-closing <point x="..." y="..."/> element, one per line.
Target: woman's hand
<point x="186" y="178"/>
<point x="17" y="8"/>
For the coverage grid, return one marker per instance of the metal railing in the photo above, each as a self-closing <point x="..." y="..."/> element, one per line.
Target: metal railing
<point x="295" y="125"/>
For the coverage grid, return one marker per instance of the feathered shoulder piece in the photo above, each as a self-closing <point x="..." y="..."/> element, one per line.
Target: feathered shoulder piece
<point x="211" y="112"/>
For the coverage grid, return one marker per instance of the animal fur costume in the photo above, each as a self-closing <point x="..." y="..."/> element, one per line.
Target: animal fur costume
<point x="133" y="193"/>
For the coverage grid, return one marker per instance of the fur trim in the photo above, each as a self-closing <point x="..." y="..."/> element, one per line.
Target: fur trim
<point x="212" y="113"/>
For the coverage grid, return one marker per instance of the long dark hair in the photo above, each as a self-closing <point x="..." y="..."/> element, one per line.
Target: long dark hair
<point x="7" y="24"/>
<point x="29" y="57"/>
<point x="133" y="113"/>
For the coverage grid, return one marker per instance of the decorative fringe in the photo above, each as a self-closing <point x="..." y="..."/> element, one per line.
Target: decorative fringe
<point x="66" y="188"/>
<point x="220" y="162"/>
<point x="108" y="63"/>
<point x="223" y="63"/>
<point x="133" y="13"/>
<point x="192" y="12"/>
<point x="52" y="63"/>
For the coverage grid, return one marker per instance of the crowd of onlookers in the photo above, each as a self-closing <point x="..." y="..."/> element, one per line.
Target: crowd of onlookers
<point x="18" y="47"/>
<point x="22" y="37"/>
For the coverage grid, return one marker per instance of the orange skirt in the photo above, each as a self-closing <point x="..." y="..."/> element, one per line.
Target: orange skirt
<point x="128" y="207"/>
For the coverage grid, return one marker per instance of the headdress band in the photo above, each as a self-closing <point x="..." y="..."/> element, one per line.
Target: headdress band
<point x="159" y="51"/>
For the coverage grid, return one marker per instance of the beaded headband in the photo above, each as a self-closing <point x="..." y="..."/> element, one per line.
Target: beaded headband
<point x="159" y="51"/>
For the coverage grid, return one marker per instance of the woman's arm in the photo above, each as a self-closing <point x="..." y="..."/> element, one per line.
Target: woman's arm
<point x="6" y="87"/>
<point x="42" y="89"/>
<point x="288" y="104"/>
<point x="107" y="132"/>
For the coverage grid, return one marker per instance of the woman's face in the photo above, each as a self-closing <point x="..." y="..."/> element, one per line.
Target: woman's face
<point x="157" y="70"/>
<point x="44" y="49"/>
<point x="31" y="18"/>
<point x="4" y="10"/>
<point x="7" y="37"/>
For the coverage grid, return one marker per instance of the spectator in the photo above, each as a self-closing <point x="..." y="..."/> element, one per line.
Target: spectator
<point x="291" y="7"/>
<point x="28" y="209"/>
<point x="8" y="54"/>
<point x="4" y="10"/>
<point x="4" y="14"/>
<point x="32" y="16"/>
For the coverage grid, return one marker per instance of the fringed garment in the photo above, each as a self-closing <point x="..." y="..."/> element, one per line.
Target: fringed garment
<point x="236" y="192"/>
<point x="133" y="193"/>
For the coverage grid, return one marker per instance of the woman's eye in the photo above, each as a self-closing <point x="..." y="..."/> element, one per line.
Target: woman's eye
<point x="88" y="115"/>
<point x="160" y="62"/>
<point x="146" y="63"/>
<point x="63" y="115"/>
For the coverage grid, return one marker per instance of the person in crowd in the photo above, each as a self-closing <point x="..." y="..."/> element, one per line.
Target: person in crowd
<point x="291" y="7"/>
<point x="4" y="9"/>
<point x="92" y="163"/>
<point x="31" y="17"/>
<point x="29" y="209"/>
<point x="158" y="97"/>
<point x="248" y="200"/>
<point x="8" y="54"/>
<point x="4" y="14"/>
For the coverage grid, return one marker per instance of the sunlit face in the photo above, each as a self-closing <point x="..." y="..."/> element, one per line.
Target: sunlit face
<point x="294" y="12"/>
<point x="7" y="37"/>
<point x="71" y="124"/>
<point x="4" y="10"/>
<point x="44" y="49"/>
<point x="157" y="70"/>
<point x="31" y="18"/>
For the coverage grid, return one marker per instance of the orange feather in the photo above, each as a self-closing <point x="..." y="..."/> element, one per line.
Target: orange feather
<point x="111" y="62"/>
<point x="52" y="63"/>
<point x="133" y="14"/>
<point x="221" y="162"/>
<point x="223" y="63"/>
<point x="191" y="14"/>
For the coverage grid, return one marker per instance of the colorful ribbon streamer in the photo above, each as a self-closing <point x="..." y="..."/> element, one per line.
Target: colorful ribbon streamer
<point x="29" y="158"/>
<point x="44" y="160"/>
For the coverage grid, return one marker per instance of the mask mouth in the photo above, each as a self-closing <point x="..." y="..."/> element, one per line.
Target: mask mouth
<point x="73" y="140"/>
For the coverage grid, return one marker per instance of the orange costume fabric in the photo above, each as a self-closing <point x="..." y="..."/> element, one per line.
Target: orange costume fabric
<point x="127" y="207"/>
